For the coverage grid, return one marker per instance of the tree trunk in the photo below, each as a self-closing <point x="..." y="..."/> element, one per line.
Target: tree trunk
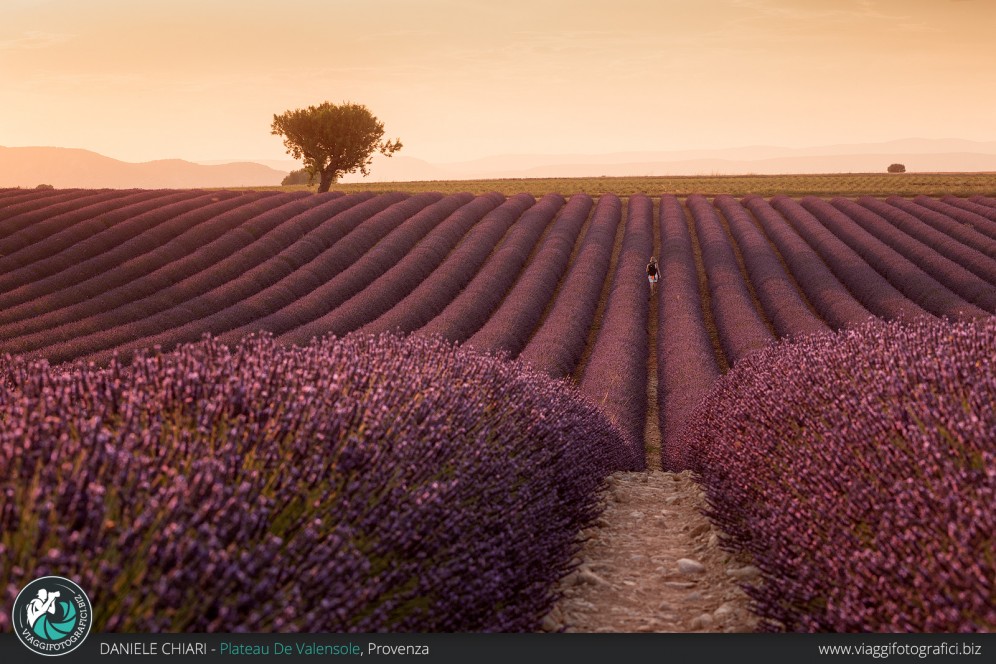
<point x="328" y="179"/>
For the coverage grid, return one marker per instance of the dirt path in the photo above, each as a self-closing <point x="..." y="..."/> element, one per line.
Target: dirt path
<point x="652" y="563"/>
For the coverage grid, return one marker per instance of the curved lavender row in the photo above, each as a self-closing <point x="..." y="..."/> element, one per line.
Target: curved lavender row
<point x="869" y="287"/>
<point x="472" y="307"/>
<point x="559" y="343"/>
<point x="30" y="201"/>
<point x="686" y="362"/>
<point x="61" y="249"/>
<point x="509" y="328"/>
<point x="181" y="301"/>
<point x="926" y="257"/>
<point x="431" y="296"/>
<point x="51" y="231"/>
<point x="392" y="286"/>
<point x="983" y="223"/>
<point x="311" y="302"/>
<point x="137" y="298"/>
<point x="969" y="258"/>
<point x="908" y="277"/>
<point x="778" y="295"/>
<point x="53" y="203"/>
<point x="159" y="246"/>
<point x="315" y="259"/>
<point x="945" y="224"/>
<point x="156" y="226"/>
<point x="828" y="296"/>
<point x="983" y="200"/>
<point x="856" y="469"/>
<point x="14" y="194"/>
<point x="615" y="376"/>
<point x="741" y="328"/>
<point x="971" y="206"/>
<point x="55" y="254"/>
<point x="360" y="485"/>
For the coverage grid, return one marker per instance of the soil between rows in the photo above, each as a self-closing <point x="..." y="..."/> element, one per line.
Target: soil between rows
<point x="652" y="563"/>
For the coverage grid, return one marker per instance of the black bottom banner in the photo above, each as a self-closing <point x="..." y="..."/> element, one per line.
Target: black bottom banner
<point x="518" y="648"/>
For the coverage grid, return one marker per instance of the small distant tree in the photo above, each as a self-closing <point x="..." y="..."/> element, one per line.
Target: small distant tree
<point x="896" y="168"/>
<point x="300" y="176"/>
<point x="333" y="140"/>
<point x="44" y="186"/>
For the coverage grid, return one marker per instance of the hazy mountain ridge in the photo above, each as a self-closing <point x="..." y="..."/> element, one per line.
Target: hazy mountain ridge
<point x="74" y="167"/>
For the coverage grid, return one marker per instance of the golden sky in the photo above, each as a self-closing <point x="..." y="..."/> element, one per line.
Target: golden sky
<point x="459" y="79"/>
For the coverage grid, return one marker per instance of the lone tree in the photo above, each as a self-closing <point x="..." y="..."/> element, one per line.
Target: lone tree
<point x="896" y="168"/>
<point x="333" y="139"/>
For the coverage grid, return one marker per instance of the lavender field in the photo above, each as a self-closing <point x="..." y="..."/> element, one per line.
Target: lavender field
<point x="414" y="398"/>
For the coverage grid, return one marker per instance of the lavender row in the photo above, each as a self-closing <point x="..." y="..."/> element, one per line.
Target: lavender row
<point x="926" y="257"/>
<point x="161" y="246"/>
<point x="945" y="245"/>
<point x="361" y="485"/>
<point x="32" y="200"/>
<point x="471" y="308"/>
<point x="122" y="225"/>
<point x="741" y="328"/>
<point x="512" y="324"/>
<point x="314" y="259"/>
<point x="14" y="194"/>
<point x="302" y="231"/>
<point x="43" y="234"/>
<point x="971" y="206"/>
<point x="829" y="297"/>
<point x="869" y="287"/>
<point x="686" y="361"/>
<point x="959" y="231"/>
<point x="983" y="200"/>
<point x="983" y="223"/>
<point x="909" y="278"/>
<point x="55" y="202"/>
<point x="313" y="300"/>
<point x="779" y="297"/>
<point x="394" y="283"/>
<point x="615" y="376"/>
<point x="431" y="296"/>
<point x="135" y="299"/>
<point x="559" y="343"/>
<point x="856" y="470"/>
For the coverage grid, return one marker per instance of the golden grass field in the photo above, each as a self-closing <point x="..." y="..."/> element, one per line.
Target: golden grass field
<point x="833" y="184"/>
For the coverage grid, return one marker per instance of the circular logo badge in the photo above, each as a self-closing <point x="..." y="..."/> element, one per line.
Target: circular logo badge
<point x="52" y="615"/>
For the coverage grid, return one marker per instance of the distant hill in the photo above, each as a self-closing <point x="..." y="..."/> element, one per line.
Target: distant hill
<point x="71" y="167"/>
<point x="68" y="167"/>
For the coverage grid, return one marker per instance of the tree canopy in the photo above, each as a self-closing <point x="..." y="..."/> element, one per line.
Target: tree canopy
<point x="333" y="139"/>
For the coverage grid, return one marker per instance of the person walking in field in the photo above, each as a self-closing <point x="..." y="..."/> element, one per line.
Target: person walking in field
<point x="653" y="274"/>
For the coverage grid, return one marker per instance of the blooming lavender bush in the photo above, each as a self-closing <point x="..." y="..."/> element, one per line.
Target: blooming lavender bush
<point x="859" y="471"/>
<point x="361" y="484"/>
